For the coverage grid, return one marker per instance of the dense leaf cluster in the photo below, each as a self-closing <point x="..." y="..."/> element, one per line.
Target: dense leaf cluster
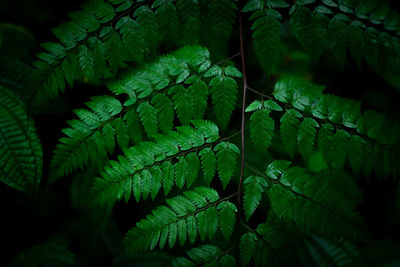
<point x="168" y="123"/>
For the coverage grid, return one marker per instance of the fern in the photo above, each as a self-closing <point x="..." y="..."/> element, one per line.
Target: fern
<point x="21" y="152"/>
<point x="266" y="32"/>
<point x="48" y="253"/>
<point x="332" y="123"/>
<point x="253" y="189"/>
<point x="103" y="122"/>
<point x="195" y="212"/>
<point x="205" y="255"/>
<point x="247" y="247"/>
<point x="176" y="155"/>
<point x="297" y="197"/>
<point x="164" y="128"/>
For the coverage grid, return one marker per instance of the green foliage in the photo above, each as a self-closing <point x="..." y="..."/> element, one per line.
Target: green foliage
<point x="247" y="247"/>
<point x="253" y="189"/>
<point x="45" y="254"/>
<point x="300" y="198"/>
<point x="167" y="124"/>
<point x="21" y="156"/>
<point x="262" y="129"/>
<point x="205" y="255"/>
<point x="171" y="159"/>
<point x="186" y="216"/>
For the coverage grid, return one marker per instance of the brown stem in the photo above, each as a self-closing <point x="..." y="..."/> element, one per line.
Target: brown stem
<point x="259" y="93"/>
<point x="242" y="134"/>
<point x="227" y="59"/>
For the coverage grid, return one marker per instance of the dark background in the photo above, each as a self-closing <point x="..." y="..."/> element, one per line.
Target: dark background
<point x="26" y="221"/>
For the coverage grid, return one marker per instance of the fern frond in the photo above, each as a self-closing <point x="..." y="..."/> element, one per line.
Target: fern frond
<point x="318" y="251"/>
<point x="227" y="217"/>
<point x="148" y="116"/>
<point x="262" y="128"/>
<point x="168" y="20"/>
<point x="148" y="24"/>
<point x="226" y="161"/>
<point x="171" y="72"/>
<point x="186" y="215"/>
<point x="247" y="247"/>
<point x="91" y="138"/>
<point x="306" y="137"/>
<point x="190" y="19"/>
<point x="253" y="189"/>
<point x="176" y="154"/>
<point x="21" y="158"/>
<point x="266" y="33"/>
<point x="290" y="124"/>
<point x="220" y="18"/>
<point x="48" y="253"/>
<point x="205" y="255"/>
<point x="102" y="36"/>
<point x="275" y="243"/>
<point x="208" y="164"/>
<point x="224" y="91"/>
<point x="341" y="121"/>
<point x="316" y="203"/>
<point x="349" y="24"/>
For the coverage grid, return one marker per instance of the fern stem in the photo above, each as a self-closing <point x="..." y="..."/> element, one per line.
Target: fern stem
<point x="259" y="93"/>
<point x="242" y="133"/>
<point x="227" y="59"/>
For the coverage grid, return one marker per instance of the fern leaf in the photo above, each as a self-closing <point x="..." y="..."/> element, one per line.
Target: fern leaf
<point x="159" y="157"/>
<point x="288" y="130"/>
<point x="356" y="42"/>
<point x="169" y="176"/>
<point x="341" y="147"/>
<point x="21" y="157"/>
<point x="208" y="163"/>
<point x="183" y="103"/>
<point x="306" y="137"/>
<point x="132" y="120"/>
<point x="224" y="92"/>
<point x="322" y="252"/>
<point x="121" y="133"/>
<point x="168" y="20"/>
<point x="130" y="37"/>
<point x="253" y="189"/>
<point x="89" y="139"/>
<point x="325" y="142"/>
<point x="199" y="92"/>
<point x="262" y="129"/>
<point x="255" y="105"/>
<point x="190" y="19"/>
<point x="86" y="62"/>
<point x="315" y="203"/>
<point x="151" y="230"/>
<point x="193" y="167"/>
<point x="266" y="39"/>
<point x="226" y="161"/>
<point x="212" y="221"/>
<point x="220" y="18"/>
<point x="276" y="168"/>
<point x="227" y="217"/>
<point x="337" y="33"/>
<point x="247" y="247"/>
<point x="310" y="29"/>
<point x="180" y="170"/>
<point x="148" y="116"/>
<point x="204" y="255"/>
<point x="148" y="25"/>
